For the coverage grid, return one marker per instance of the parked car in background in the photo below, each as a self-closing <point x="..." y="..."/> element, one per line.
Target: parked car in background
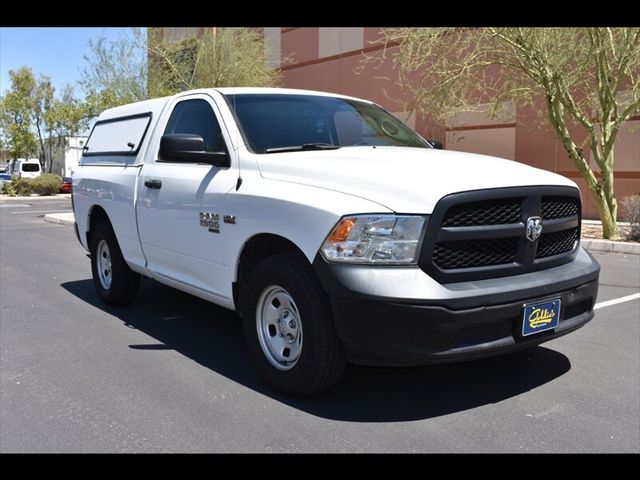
<point x="66" y="185"/>
<point x="4" y="178"/>
<point x="26" y="168"/>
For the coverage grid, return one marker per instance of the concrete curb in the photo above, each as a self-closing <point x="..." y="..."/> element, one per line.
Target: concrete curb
<point x="7" y="198"/>
<point x="61" y="218"/>
<point x="611" y="246"/>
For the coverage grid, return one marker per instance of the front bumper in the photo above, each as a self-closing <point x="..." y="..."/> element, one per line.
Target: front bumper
<point x="400" y="316"/>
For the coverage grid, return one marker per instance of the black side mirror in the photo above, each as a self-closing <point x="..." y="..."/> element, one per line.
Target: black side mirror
<point x="435" y="143"/>
<point x="189" y="148"/>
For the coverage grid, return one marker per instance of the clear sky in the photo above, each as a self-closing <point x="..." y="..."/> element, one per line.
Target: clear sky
<point x="57" y="52"/>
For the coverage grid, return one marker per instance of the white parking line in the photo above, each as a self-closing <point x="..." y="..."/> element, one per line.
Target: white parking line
<point x="616" y="301"/>
<point x="39" y="211"/>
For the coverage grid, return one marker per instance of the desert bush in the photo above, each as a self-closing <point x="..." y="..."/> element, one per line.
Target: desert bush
<point x="8" y="189"/>
<point x="18" y="186"/>
<point x="47" y="184"/>
<point x="631" y="210"/>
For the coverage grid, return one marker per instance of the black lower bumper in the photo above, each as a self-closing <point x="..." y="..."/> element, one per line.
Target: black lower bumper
<point x="390" y="331"/>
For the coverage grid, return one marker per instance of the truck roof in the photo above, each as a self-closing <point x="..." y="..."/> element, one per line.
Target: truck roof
<point x="156" y="105"/>
<point x="284" y="91"/>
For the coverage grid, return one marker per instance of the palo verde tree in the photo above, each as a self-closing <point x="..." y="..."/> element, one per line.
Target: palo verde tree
<point x="587" y="77"/>
<point x="145" y="65"/>
<point x="115" y="71"/>
<point x="216" y="57"/>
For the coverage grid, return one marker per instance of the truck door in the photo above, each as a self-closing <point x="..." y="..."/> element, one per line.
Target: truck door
<point x="180" y="204"/>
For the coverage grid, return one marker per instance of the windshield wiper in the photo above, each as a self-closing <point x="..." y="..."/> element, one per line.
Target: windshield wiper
<point x="304" y="146"/>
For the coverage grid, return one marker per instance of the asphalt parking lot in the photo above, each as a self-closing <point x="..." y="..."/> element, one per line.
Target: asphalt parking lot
<point x="170" y="374"/>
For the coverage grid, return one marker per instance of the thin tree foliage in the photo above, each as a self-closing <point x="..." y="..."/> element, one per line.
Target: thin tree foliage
<point x="584" y="77"/>
<point x="34" y="121"/>
<point x="116" y="69"/>
<point x="146" y="64"/>
<point x="217" y="57"/>
<point x="16" y="114"/>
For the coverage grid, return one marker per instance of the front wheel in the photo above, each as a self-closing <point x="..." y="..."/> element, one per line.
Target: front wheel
<point x="289" y="329"/>
<point x="114" y="281"/>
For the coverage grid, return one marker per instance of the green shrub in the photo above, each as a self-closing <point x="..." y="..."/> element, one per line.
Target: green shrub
<point x="8" y="189"/>
<point x="47" y="184"/>
<point x="18" y="186"/>
<point x="631" y="210"/>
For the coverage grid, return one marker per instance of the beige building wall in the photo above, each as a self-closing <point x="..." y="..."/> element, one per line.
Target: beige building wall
<point x="482" y="131"/>
<point x="337" y="40"/>
<point x="498" y="142"/>
<point x="272" y="43"/>
<point x="175" y="34"/>
<point x="330" y="59"/>
<point x="627" y="148"/>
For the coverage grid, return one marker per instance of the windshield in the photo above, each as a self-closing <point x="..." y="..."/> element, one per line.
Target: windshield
<point x="275" y="122"/>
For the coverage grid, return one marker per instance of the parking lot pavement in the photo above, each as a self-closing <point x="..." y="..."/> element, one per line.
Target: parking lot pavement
<point x="170" y="374"/>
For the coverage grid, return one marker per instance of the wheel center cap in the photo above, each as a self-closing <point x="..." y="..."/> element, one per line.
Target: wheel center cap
<point x="287" y="325"/>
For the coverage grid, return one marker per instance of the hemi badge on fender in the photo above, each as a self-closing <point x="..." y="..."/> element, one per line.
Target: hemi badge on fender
<point x="229" y="219"/>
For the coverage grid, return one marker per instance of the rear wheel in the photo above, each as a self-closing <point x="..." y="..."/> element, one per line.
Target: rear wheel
<point x="114" y="281"/>
<point x="289" y="329"/>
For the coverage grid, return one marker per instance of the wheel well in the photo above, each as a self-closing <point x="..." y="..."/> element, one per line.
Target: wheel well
<point x="96" y="216"/>
<point x="257" y="249"/>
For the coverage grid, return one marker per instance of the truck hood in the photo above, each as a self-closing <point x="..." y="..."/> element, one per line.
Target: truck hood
<point x="405" y="180"/>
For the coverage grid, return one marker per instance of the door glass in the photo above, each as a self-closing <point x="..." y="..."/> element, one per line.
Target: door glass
<point x="196" y="116"/>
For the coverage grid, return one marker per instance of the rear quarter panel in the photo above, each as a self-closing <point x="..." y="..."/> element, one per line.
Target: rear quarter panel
<point x="113" y="189"/>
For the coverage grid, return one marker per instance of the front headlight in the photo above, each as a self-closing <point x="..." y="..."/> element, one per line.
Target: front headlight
<point x="375" y="239"/>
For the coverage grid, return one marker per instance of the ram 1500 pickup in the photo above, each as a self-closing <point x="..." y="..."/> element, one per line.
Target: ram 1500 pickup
<point x="334" y="230"/>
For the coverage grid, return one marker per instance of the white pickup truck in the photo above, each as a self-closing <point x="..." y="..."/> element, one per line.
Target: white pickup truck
<point x="335" y="231"/>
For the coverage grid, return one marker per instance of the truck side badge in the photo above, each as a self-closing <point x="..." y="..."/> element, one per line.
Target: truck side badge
<point x="211" y="221"/>
<point x="229" y="219"/>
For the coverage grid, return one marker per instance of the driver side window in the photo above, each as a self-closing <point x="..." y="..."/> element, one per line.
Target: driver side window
<point x="196" y="117"/>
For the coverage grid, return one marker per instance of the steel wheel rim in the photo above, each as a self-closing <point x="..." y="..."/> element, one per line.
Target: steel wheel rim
<point x="279" y="327"/>
<point x="103" y="264"/>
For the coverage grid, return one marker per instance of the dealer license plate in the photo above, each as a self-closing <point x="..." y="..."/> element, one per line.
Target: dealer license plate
<point x="541" y="316"/>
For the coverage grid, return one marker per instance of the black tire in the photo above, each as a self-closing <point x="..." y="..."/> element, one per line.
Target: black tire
<point x="322" y="360"/>
<point x="123" y="285"/>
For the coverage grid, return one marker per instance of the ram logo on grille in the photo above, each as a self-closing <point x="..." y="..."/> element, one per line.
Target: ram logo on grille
<point x="534" y="228"/>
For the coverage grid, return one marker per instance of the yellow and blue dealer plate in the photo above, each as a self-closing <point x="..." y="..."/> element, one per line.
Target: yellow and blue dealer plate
<point x="541" y="316"/>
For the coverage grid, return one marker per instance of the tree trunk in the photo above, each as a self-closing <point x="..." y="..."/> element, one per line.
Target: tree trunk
<point x="609" y="227"/>
<point x="602" y="191"/>
<point x="50" y="154"/>
<point x="41" y="140"/>
<point x="604" y="197"/>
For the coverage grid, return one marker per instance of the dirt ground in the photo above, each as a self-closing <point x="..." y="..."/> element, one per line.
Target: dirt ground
<point x="595" y="231"/>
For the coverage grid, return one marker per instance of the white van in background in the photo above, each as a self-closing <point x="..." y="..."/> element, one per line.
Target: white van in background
<point x="26" y="168"/>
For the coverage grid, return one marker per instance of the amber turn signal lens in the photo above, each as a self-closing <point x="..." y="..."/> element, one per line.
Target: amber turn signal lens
<point x="341" y="232"/>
